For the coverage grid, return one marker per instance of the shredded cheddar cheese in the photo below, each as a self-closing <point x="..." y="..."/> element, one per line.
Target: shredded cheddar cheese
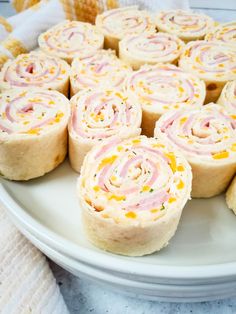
<point x="136" y="141"/>
<point x="107" y="161"/>
<point x="233" y="148"/>
<point x="33" y="131"/>
<point x="183" y="120"/>
<point x="96" y="188"/>
<point x="180" y="185"/>
<point x="146" y="188"/>
<point x="113" y="178"/>
<point x="158" y="145"/>
<point x="221" y="155"/>
<point x="131" y="215"/>
<point x="171" y="200"/>
<point x="180" y="168"/>
<point x="172" y="161"/>
<point x="119" y="148"/>
<point x="117" y="197"/>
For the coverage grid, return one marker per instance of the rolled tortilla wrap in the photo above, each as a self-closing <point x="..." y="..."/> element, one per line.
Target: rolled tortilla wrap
<point x="36" y="69"/>
<point x="71" y="39"/>
<point x="33" y="132"/>
<point x="186" y="25"/>
<point x="97" y="71"/>
<point x="231" y="196"/>
<point x="115" y="24"/>
<point x="132" y="194"/>
<point x="227" y="97"/>
<point x="162" y="88"/>
<point x="226" y="33"/>
<point x="212" y="62"/>
<point x="207" y="138"/>
<point x="146" y="48"/>
<point x="98" y="115"/>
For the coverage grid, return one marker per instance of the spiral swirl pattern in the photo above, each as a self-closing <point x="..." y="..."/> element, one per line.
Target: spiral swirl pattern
<point x="101" y="69"/>
<point x="139" y="179"/>
<point x="35" y="70"/>
<point x="224" y="32"/>
<point x="161" y="88"/>
<point x="31" y="112"/>
<point x="100" y="114"/>
<point x="209" y="60"/>
<point x="228" y="97"/>
<point x="207" y="134"/>
<point x="165" y="87"/>
<point x="185" y="24"/>
<point x="71" y="39"/>
<point x="150" y="48"/>
<point x="119" y="22"/>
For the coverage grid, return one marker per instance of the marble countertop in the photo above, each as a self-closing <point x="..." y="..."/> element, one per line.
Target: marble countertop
<point x="83" y="296"/>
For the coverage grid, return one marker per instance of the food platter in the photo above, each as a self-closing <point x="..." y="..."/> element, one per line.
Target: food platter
<point x="129" y="196"/>
<point x="199" y="263"/>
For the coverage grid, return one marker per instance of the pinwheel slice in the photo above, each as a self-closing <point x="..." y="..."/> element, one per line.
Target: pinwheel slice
<point x="132" y="194"/>
<point x="186" y="25"/>
<point x="36" y="69"/>
<point x="211" y="61"/>
<point x="154" y="48"/>
<point x="225" y="33"/>
<point x="33" y="132"/>
<point x="71" y="39"/>
<point x="161" y="88"/>
<point x="101" y="69"/>
<point x="231" y="196"/>
<point x="207" y="138"/>
<point x="228" y="98"/>
<point x="117" y="23"/>
<point x="98" y="115"/>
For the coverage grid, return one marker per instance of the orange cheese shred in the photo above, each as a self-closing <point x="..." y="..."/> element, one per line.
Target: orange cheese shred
<point x="131" y="215"/>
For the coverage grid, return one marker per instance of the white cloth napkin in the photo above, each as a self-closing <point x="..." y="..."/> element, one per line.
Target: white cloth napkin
<point x="27" y="284"/>
<point x="7" y="25"/>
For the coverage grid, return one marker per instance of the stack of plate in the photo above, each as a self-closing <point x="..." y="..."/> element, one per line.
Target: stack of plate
<point x="199" y="263"/>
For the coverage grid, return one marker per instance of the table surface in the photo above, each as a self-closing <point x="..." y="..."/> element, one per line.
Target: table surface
<point x="83" y="296"/>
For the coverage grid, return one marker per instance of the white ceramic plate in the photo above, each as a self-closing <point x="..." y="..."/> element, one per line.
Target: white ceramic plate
<point x="203" y="250"/>
<point x="151" y="291"/>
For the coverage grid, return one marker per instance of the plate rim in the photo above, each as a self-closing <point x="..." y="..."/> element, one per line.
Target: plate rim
<point x="163" y="292"/>
<point x="101" y="259"/>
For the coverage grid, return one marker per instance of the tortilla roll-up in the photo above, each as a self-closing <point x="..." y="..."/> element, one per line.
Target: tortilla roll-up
<point x="212" y="62"/>
<point x="71" y="39"/>
<point x="231" y="196"/>
<point x="33" y="132"/>
<point x="227" y="98"/>
<point x="115" y="24"/>
<point x="97" y="71"/>
<point x="145" y="48"/>
<point x="98" y="115"/>
<point x="226" y="33"/>
<point x="207" y="138"/>
<point x="132" y="194"/>
<point x="36" y="69"/>
<point x="162" y="88"/>
<point x="186" y="25"/>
